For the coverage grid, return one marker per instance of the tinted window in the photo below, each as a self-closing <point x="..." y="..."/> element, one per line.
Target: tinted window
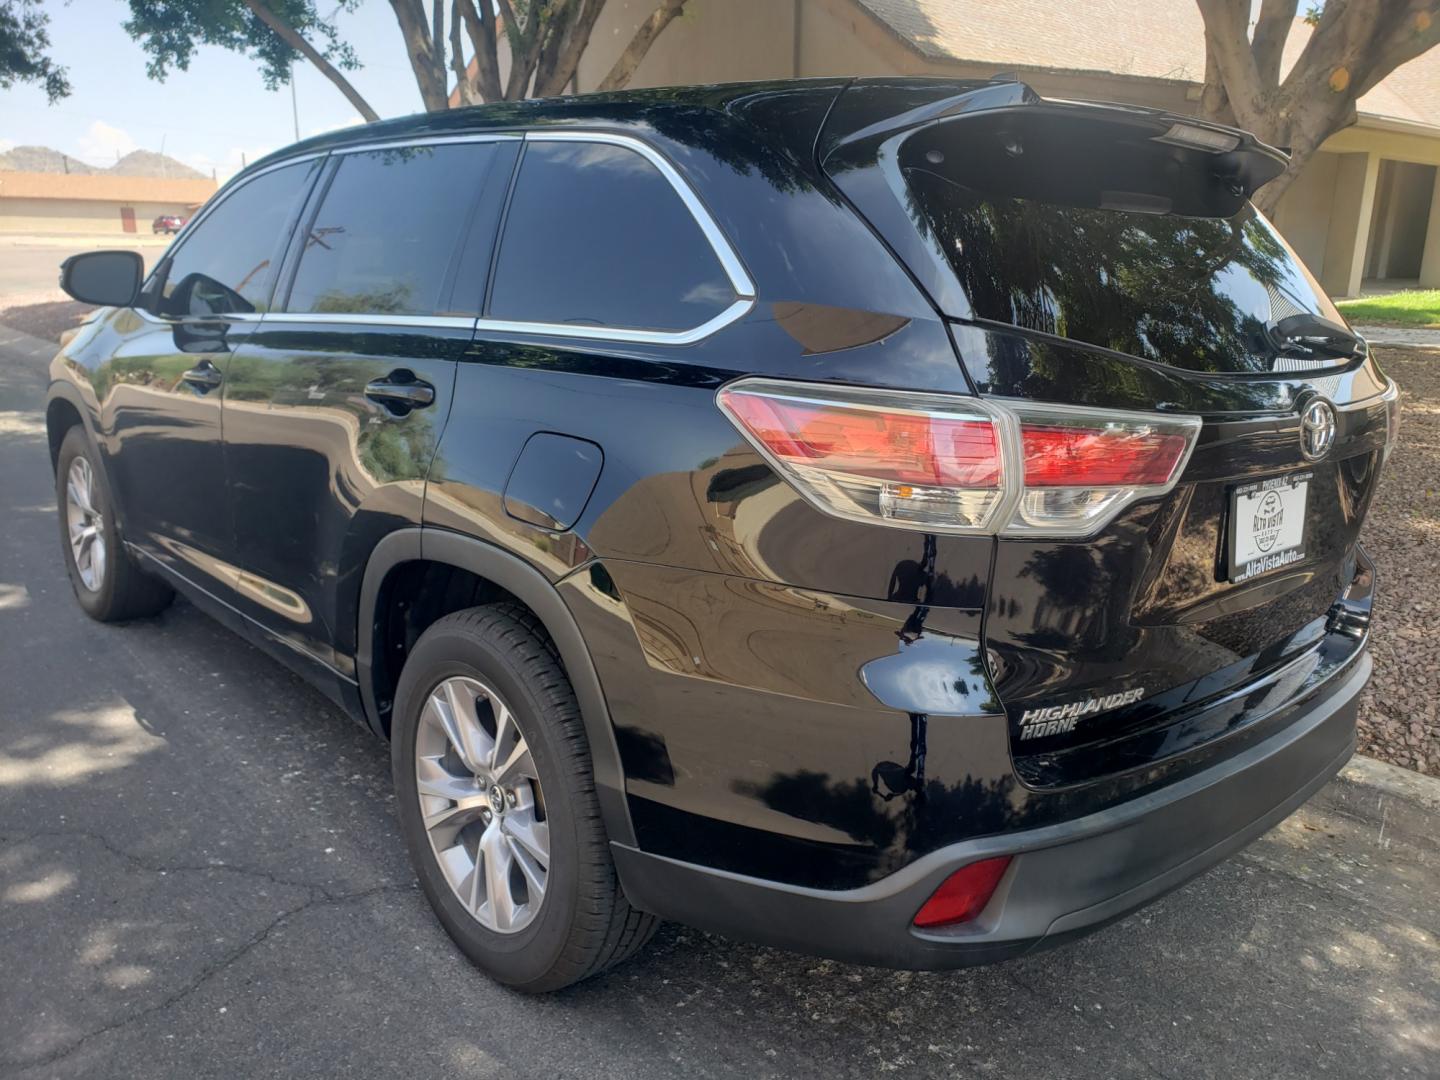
<point x="227" y="264"/>
<point x="385" y="234"/>
<point x="597" y="236"/>
<point x="1192" y="292"/>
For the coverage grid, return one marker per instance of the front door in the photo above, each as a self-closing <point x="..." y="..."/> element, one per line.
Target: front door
<point x="161" y="390"/>
<point x="334" y="411"/>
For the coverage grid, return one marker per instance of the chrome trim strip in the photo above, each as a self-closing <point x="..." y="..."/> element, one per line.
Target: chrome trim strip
<point x="426" y="140"/>
<point x="236" y="316"/>
<point x="459" y="322"/>
<point x="616" y="333"/>
<point x="734" y="270"/>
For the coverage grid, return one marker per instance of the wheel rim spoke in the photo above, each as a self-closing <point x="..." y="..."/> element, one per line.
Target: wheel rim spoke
<point x="498" y="858"/>
<point x="84" y="525"/>
<point x="480" y="804"/>
<point x="533" y="836"/>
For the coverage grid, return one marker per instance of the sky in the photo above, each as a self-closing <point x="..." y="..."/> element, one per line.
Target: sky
<point x="211" y="117"/>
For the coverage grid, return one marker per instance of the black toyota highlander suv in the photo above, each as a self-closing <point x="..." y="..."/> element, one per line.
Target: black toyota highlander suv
<point x="907" y="520"/>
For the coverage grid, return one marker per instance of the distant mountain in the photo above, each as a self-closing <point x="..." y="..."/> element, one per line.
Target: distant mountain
<point x="136" y="163"/>
<point x="149" y="163"/>
<point x="42" y="159"/>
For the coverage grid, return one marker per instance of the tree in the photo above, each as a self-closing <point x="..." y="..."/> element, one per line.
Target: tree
<point x="545" y="40"/>
<point x="24" y="45"/>
<point x="273" y="33"/>
<point x="1353" y="45"/>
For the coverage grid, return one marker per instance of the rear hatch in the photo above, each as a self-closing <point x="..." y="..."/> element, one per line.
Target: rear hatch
<point x="1108" y="257"/>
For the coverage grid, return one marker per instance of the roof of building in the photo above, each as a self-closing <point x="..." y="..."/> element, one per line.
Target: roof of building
<point x="1156" y="39"/>
<point x="104" y="187"/>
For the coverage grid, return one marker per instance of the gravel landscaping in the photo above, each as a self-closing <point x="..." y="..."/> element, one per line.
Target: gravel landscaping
<point x="1398" y="721"/>
<point x="1398" y="718"/>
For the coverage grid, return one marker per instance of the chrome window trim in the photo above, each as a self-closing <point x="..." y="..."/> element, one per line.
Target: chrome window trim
<point x="457" y="322"/>
<point x="620" y="333"/>
<point x="740" y="282"/>
<point x="730" y="263"/>
<point x="426" y="140"/>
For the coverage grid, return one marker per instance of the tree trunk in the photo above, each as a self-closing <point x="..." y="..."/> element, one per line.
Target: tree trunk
<point x="288" y="35"/>
<point x="422" y="51"/>
<point x="1353" y="45"/>
<point x="645" y="36"/>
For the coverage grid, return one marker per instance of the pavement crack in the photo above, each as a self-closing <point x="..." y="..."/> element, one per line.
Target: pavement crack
<point x="157" y="867"/>
<point x="204" y="976"/>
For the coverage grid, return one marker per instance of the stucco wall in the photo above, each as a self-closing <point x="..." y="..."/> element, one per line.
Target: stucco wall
<point x="78" y="215"/>
<point x="1303" y="216"/>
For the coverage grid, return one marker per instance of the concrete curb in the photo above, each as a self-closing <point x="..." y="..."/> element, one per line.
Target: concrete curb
<point x="1386" y="797"/>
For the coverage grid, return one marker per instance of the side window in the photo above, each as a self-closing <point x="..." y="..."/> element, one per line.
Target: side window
<point x="385" y="235"/>
<point x="227" y="264"/>
<point x="596" y="236"/>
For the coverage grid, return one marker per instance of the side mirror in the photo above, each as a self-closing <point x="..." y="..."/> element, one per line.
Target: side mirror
<point x="103" y="278"/>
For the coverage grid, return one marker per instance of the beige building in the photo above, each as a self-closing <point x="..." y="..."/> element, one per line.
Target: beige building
<point x="93" y="203"/>
<point x="1360" y="211"/>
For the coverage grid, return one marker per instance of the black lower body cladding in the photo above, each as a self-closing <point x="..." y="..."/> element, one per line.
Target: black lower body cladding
<point x="1064" y="880"/>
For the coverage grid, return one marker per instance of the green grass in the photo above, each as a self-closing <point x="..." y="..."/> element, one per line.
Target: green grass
<point x="1414" y="307"/>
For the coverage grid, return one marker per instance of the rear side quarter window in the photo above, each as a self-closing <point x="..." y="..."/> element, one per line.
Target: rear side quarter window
<point x="598" y="237"/>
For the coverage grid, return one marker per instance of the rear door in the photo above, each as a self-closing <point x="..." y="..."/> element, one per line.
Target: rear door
<point x="1107" y="259"/>
<point x="333" y="414"/>
<point x="160" y="391"/>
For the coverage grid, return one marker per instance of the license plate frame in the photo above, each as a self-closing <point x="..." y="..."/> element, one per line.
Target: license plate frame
<point x="1266" y="529"/>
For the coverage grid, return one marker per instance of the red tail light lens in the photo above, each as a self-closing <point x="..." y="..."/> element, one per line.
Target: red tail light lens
<point x="963" y="895"/>
<point x="903" y="447"/>
<point x="955" y="464"/>
<point x="1100" y="456"/>
<point x="918" y="461"/>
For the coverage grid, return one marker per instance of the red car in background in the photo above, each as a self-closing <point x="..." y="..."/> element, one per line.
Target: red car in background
<point x="167" y="223"/>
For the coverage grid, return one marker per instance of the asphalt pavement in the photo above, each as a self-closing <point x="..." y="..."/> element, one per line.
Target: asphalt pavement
<point x="201" y="876"/>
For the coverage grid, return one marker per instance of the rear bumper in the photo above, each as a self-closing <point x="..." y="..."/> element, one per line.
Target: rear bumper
<point x="1065" y="880"/>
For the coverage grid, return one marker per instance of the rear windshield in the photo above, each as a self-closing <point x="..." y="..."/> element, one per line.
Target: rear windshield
<point x="1191" y="292"/>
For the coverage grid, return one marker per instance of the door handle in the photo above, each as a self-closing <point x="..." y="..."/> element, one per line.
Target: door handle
<point x="400" y="389"/>
<point x="204" y="377"/>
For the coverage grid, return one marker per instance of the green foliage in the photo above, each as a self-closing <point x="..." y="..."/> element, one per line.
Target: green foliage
<point x="1413" y="307"/>
<point x="24" y="43"/>
<point x="169" y="31"/>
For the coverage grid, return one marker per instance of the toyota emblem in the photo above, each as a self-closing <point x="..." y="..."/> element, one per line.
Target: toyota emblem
<point x="1317" y="429"/>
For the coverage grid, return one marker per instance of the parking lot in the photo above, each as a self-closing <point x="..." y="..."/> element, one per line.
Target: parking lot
<point x="200" y="875"/>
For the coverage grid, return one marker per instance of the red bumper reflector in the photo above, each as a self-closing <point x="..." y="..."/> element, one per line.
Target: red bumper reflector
<point x="964" y="894"/>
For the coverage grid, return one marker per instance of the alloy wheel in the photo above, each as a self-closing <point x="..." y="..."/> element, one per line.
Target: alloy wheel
<point x="85" y="525"/>
<point x="481" y="804"/>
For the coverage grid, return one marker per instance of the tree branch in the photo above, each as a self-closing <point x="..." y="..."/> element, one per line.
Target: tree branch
<point x="464" y="86"/>
<point x="645" y="36"/>
<point x="1272" y="28"/>
<point x="481" y="28"/>
<point x="524" y="46"/>
<point x="288" y="35"/>
<point x="1228" y="41"/>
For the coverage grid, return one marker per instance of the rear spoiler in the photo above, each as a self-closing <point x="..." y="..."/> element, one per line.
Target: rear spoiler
<point x="1156" y="162"/>
<point x="871" y="113"/>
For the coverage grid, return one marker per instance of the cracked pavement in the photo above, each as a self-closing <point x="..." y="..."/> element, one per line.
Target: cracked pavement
<point x="200" y="876"/>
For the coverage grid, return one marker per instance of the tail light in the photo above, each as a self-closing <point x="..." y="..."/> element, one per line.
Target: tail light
<point x="963" y="895"/>
<point x="954" y="464"/>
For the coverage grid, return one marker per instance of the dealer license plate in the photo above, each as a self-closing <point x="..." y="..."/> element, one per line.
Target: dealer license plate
<point x="1267" y="525"/>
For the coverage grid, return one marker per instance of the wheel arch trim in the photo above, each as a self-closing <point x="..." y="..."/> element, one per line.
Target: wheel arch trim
<point x="528" y="585"/>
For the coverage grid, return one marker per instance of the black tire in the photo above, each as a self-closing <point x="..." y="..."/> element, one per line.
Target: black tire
<point x="123" y="591"/>
<point x="585" y="924"/>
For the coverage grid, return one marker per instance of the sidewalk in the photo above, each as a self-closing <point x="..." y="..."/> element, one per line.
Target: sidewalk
<point x="1398" y="336"/>
<point x="77" y="240"/>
